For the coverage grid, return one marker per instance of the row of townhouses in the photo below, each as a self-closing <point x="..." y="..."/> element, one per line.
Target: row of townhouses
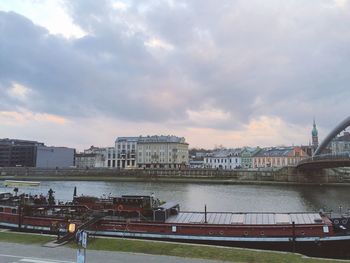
<point x="247" y="157"/>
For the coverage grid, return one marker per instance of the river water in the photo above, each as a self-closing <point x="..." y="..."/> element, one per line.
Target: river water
<point x="193" y="197"/>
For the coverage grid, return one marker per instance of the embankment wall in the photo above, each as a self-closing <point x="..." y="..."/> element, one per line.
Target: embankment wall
<point x="286" y="174"/>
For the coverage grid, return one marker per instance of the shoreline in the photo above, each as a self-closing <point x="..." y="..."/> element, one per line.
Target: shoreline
<point x="192" y="180"/>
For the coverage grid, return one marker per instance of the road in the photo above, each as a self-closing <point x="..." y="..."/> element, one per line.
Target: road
<point x="18" y="253"/>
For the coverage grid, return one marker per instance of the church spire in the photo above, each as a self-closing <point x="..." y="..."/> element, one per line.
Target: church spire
<point x="314" y="134"/>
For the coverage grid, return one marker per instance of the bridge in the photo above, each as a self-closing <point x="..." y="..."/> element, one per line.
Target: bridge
<point x="325" y="161"/>
<point x="322" y="161"/>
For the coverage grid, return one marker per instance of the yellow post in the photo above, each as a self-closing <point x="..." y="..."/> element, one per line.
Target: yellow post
<point x="71" y="228"/>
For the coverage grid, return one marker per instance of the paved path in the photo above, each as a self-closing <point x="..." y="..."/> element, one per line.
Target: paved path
<point x="18" y="253"/>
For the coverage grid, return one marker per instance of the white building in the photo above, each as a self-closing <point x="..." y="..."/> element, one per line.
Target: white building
<point x="197" y="164"/>
<point x="111" y="157"/>
<point x="88" y="160"/>
<point x="151" y="152"/>
<point x="96" y="157"/>
<point x="224" y="159"/>
<point x="98" y="153"/>
<point x="125" y="148"/>
<point x="162" y="152"/>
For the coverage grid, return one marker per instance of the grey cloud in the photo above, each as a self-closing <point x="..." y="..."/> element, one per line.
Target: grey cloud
<point x="74" y="78"/>
<point x="250" y="59"/>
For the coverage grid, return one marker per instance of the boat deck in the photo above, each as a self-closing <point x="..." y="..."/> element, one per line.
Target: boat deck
<point x="226" y="218"/>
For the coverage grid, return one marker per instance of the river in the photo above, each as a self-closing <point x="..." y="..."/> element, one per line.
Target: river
<point x="235" y="198"/>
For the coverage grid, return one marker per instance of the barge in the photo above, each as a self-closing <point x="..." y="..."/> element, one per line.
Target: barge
<point x="145" y="217"/>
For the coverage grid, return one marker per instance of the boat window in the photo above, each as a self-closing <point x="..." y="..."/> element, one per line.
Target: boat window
<point x="14" y="211"/>
<point x="1" y="209"/>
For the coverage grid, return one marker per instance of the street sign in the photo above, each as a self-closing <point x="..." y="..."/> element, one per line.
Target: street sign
<point x="84" y="239"/>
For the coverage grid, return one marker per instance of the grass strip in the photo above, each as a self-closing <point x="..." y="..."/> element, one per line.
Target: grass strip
<point x="197" y="251"/>
<point x="24" y="238"/>
<point x="170" y="249"/>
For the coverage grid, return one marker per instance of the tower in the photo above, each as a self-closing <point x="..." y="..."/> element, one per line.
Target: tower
<point x="314" y="134"/>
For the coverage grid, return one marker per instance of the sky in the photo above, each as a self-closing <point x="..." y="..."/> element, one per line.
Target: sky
<point x="233" y="73"/>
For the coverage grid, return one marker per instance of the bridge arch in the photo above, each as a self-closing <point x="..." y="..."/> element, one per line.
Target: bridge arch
<point x="340" y="127"/>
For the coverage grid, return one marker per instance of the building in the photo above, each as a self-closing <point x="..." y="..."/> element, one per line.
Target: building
<point x="314" y="134"/>
<point x="88" y="160"/>
<point x="162" y="152"/>
<point x="247" y="157"/>
<point x="125" y="148"/>
<point x="196" y="157"/>
<point x="151" y="152"/>
<point x="14" y="153"/>
<point x="92" y="157"/>
<point x="224" y="159"/>
<point x="278" y="157"/>
<point x="100" y="156"/>
<point x="196" y="164"/>
<point x="341" y="144"/>
<point x="110" y="157"/>
<point x="54" y="157"/>
<point x="23" y="153"/>
<point x="308" y="149"/>
<point x="96" y="157"/>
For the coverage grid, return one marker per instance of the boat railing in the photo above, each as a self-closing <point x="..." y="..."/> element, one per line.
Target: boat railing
<point x="91" y="221"/>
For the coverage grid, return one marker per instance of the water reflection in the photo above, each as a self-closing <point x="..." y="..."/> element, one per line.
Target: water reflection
<point x="242" y="198"/>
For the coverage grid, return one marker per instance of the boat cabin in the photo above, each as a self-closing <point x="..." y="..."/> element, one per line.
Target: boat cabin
<point x="163" y="212"/>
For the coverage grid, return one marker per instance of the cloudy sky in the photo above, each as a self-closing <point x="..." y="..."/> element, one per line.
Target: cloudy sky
<point x="80" y="73"/>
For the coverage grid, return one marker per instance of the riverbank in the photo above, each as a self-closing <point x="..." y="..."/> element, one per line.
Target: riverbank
<point x="282" y="176"/>
<point x="170" y="249"/>
<point x="192" y="180"/>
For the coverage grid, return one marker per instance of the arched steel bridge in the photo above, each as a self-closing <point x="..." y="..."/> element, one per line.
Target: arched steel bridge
<point x="320" y="161"/>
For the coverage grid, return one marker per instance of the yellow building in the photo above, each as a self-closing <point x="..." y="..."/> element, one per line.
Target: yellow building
<point x="278" y="157"/>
